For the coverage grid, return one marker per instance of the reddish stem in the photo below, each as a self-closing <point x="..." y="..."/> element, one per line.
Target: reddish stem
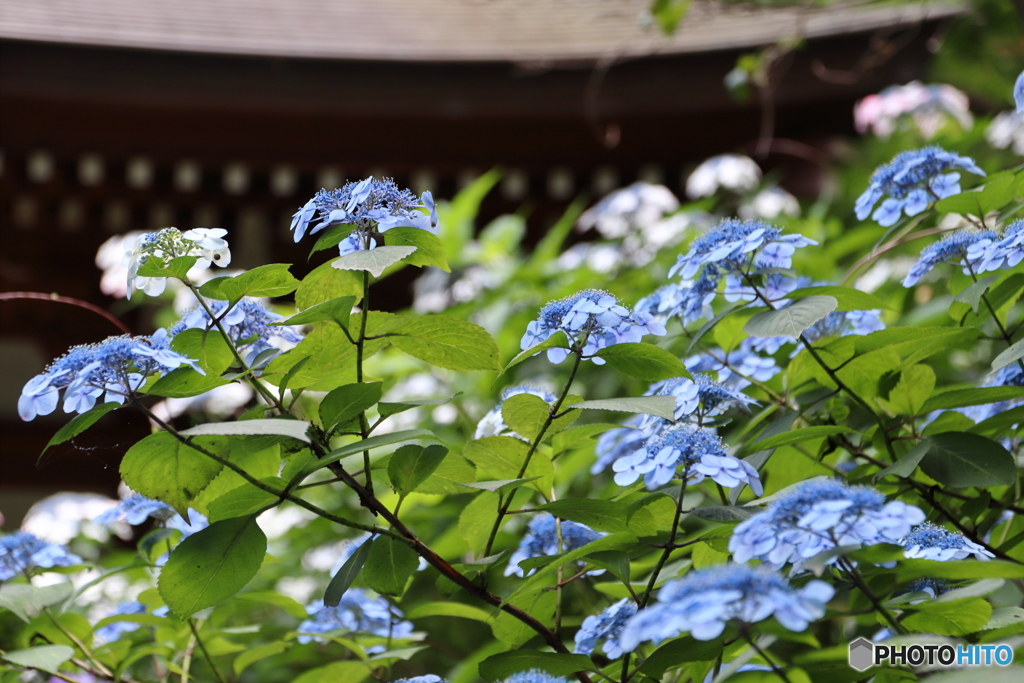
<point x="67" y="300"/>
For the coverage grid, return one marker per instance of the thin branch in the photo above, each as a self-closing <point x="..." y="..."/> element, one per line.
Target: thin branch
<point x="39" y="296"/>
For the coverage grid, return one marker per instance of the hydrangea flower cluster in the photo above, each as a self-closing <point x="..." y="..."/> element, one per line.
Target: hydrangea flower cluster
<point x="1007" y="130"/>
<point x="819" y="515"/>
<point x="930" y="542"/>
<point x="21" y="552"/>
<point x="703" y="602"/>
<point x="370" y="206"/>
<point x="1008" y="376"/>
<point x="628" y="209"/>
<point x="541" y="540"/>
<point x="697" y="451"/>
<point x="535" y="676"/>
<point x="357" y="612"/>
<point x="604" y="629"/>
<point x="135" y="509"/>
<point x="115" y="630"/>
<point x="928" y="106"/>
<point x="207" y="245"/>
<point x="428" y="678"/>
<point x="966" y="247"/>
<point x="492" y="423"/>
<point x="1005" y="252"/>
<point x="733" y="172"/>
<point x="248" y="325"/>
<point x="592" y="320"/>
<point x="735" y="369"/>
<point x="910" y="182"/>
<point x="113" y="369"/>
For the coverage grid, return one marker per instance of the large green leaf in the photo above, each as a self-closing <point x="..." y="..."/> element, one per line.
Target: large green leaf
<point x="337" y="311"/>
<point x="154" y="266"/>
<point x="207" y="347"/>
<point x="325" y="283"/>
<point x="957" y="618"/>
<point x="341" y="581"/>
<point x="525" y="414"/>
<point x="680" y="651"/>
<point x="448" y="609"/>
<point x="389" y="565"/>
<point x="271" y="280"/>
<point x="798" y="436"/>
<point x="905" y="466"/>
<point x="449" y="476"/>
<point x="27" y="601"/>
<point x="659" y="406"/>
<point x="374" y="261"/>
<point x="848" y="298"/>
<point x="912" y="390"/>
<point x="961" y="459"/>
<point x="411" y="465"/>
<point x="46" y="658"/>
<point x="600" y="515"/>
<point x="556" y="341"/>
<point x="211" y="565"/>
<point x="295" y="429"/>
<point x="504" y="664"/>
<point x="80" y="423"/>
<point x="429" y="248"/>
<point x="643" y="361"/>
<point x="514" y="633"/>
<point x="503" y="456"/>
<point x="961" y="398"/>
<point x="185" y="382"/>
<point x="447" y="342"/>
<point x="792" y="320"/>
<point x="972" y="295"/>
<point x="1010" y="355"/>
<point x="162" y="467"/>
<point x="348" y="401"/>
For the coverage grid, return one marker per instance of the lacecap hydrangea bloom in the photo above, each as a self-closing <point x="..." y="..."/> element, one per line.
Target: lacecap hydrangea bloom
<point x="735" y="369"/>
<point x="207" y="245"/>
<point x="603" y="629"/>
<point x="428" y="678"/>
<point x="135" y="509"/>
<point x="591" y="320"/>
<point x="628" y="209"/>
<point x="114" y="369"/>
<point x="703" y="602"/>
<point x="22" y="552"/>
<point x="965" y="247"/>
<point x="930" y="542"/>
<point x="1001" y="252"/>
<point x="541" y="540"/>
<point x="910" y="182"/>
<point x="534" y="676"/>
<point x="249" y="326"/>
<point x="685" y="448"/>
<point x="492" y="423"/>
<point x="733" y="172"/>
<point x="819" y="515"/>
<point x="357" y="612"/>
<point x="370" y="206"/>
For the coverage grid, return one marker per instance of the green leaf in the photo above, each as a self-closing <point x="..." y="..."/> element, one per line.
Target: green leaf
<point x="46" y="658"/>
<point x="961" y="398"/>
<point x="556" y="341"/>
<point x="499" y="485"/>
<point x="905" y="466"/>
<point x="389" y="409"/>
<point x="963" y="203"/>
<point x="615" y="561"/>
<point x="959" y="570"/>
<point x="289" y="605"/>
<point x="27" y="601"/>
<point x="997" y="424"/>
<point x="504" y="664"/>
<point x="447" y="609"/>
<point x="616" y="541"/>
<point x="1010" y="355"/>
<point x="798" y="436"/>
<point x="389" y="564"/>
<point x="503" y="457"/>
<point x="912" y="390"/>
<point x="80" y="423"/>
<point x="997" y="192"/>
<point x="659" y="406"/>
<point x="848" y="298"/>
<point x="331" y="237"/>
<point x="162" y="467"/>
<point x="1003" y="617"/>
<point x="411" y="465"/>
<point x="447" y="342"/>
<point x="792" y="320"/>
<point x="374" y="261"/>
<point x="207" y="347"/>
<point x="447" y="478"/>
<point x="723" y="513"/>
<point x="154" y="266"/>
<point x="325" y="283"/>
<point x="643" y="361"/>
<point x="211" y="565"/>
<point x="349" y="672"/>
<point x="574" y="436"/>
<point x="600" y="515"/>
<point x="669" y="13"/>
<point x="367" y="444"/>
<point x="258" y="653"/>
<point x="341" y="581"/>
<point x="295" y="429"/>
<point x="348" y="401"/>
<point x="959" y="460"/>
<point x="913" y="344"/>
<point x="429" y="248"/>
<point x="957" y="618"/>
<point x="514" y="633"/>
<point x="680" y="651"/>
<point x="244" y="500"/>
<point x="184" y="383"/>
<point x="477" y="519"/>
<point x="525" y="414"/>
<point x="337" y="311"/>
<point x="710" y="325"/>
<point x="270" y="280"/>
<point x="972" y="295"/>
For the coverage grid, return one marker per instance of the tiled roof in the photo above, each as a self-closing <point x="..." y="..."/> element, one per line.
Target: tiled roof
<point x="433" y="30"/>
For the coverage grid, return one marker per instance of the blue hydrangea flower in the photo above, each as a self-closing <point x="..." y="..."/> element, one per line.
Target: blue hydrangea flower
<point x="534" y="676"/>
<point x="953" y="247"/>
<point x="819" y="515"/>
<point x="541" y="540"/>
<point x="932" y="542"/>
<point x="1018" y="93"/>
<point x="733" y="369"/>
<point x="933" y="587"/>
<point x="197" y="522"/>
<point x="592" y="320"/>
<point x="21" y="552"/>
<point x="911" y="181"/>
<point x="357" y="612"/>
<point x="664" y="303"/>
<point x="114" y="630"/>
<point x="112" y="369"/>
<point x="492" y="423"/>
<point x="135" y="509"/>
<point x="703" y="602"/>
<point x="697" y="451"/>
<point x="249" y="325"/>
<point x="1008" y="376"/>
<point x="428" y="678"/>
<point x="997" y="253"/>
<point x="369" y="206"/>
<point x="604" y="629"/>
<point x="618" y="443"/>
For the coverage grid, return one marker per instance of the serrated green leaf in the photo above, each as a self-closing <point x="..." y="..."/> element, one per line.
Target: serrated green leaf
<point x="525" y="414"/>
<point x="211" y="565"/>
<point x="46" y="658"/>
<point x="447" y="478"/>
<point x="185" y="383"/>
<point x="337" y="310"/>
<point x="207" y="347"/>
<point x="27" y="601"/>
<point x="504" y="664"/>
<point x="503" y="457"/>
<point x="244" y="500"/>
<point x="325" y="283"/>
<point x="997" y="192"/>
<point x="972" y="295"/>
<point x="341" y="581"/>
<point x="792" y="320"/>
<point x="905" y="466"/>
<point x="154" y="266"/>
<point x="447" y="342"/>
<point x="80" y="423"/>
<point x="389" y="409"/>
<point x="680" y="651"/>
<point x="162" y="467"/>
<point x="963" y="203"/>
<point x="411" y="465"/>
<point x="448" y="609"/>
<point x="348" y="401"/>
<point x="848" y="298"/>
<point x="374" y="261"/>
<point x="389" y="565"/>
<point x="644" y="361"/>
<point x="429" y="248"/>
<point x="912" y="390"/>
<point x="289" y="605"/>
<point x="659" y="406"/>
<point x="270" y="280"/>
<point x="600" y="515"/>
<point x="477" y="519"/>
<point x="959" y="460"/>
<point x="514" y="633"/>
<point x="957" y="618"/>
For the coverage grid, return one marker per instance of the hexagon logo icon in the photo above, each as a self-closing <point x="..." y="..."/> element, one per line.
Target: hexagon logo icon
<point x="862" y="654"/>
